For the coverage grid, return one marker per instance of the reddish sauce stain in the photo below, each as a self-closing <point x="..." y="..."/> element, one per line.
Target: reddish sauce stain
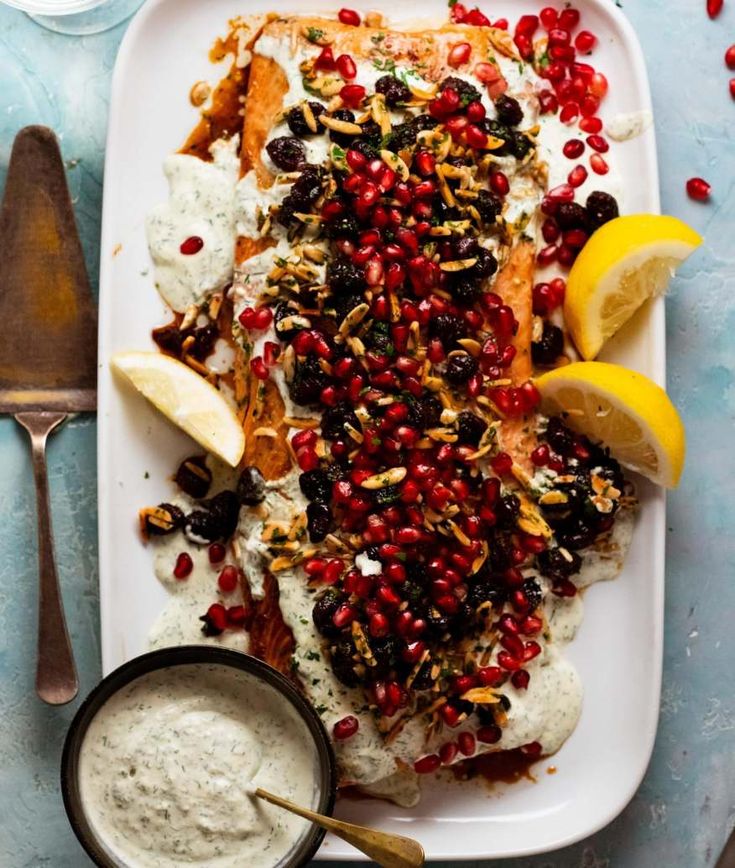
<point x="223" y="118"/>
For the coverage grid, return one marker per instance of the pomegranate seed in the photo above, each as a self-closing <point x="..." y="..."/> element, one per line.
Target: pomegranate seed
<point x="228" y="579"/>
<point x="216" y="617"/>
<point x="499" y="183"/>
<point x="732" y="88"/>
<point x="458" y="13"/>
<point x="491" y="676"/>
<point x="501" y="463"/>
<point x="449" y="714"/>
<point x="459" y="54"/>
<point x="573" y="149"/>
<point x="520" y="679"/>
<point x="191" y="245"/>
<point x="448" y="752"/>
<point x="550" y="230"/>
<point x="259" y="368"/>
<point x="501" y="24"/>
<point x="349" y="16"/>
<point x="183" y="567"/>
<point x="352" y="95"/>
<point x="546" y="256"/>
<point x="325" y="60"/>
<point x="559" y="36"/>
<point x="569" y="113"/>
<point x="374" y="272"/>
<point x="540" y="455"/>
<point x="569" y="18"/>
<point x="585" y="41"/>
<point x="730" y="57"/>
<point x="344" y="615"/>
<point x="427" y="764"/>
<point x="424" y="163"/>
<point x="524" y="46"/>
<point x="598" y="85"/>
<point x="236" y="616"/>
<point x="307" y="459"/>
<point x="346" y="67"/>
<point x="475" y="112"/>
<point x="508" y="661"/>
<point x="490" y="734"/>
<point x="565" y="588"/>
<point x="548" y="102"/>
<point x="532" y="750"/>
<point x="597" y="143"/>
<point x="548" y="17"/>
<point x="346" y="727"/>
<point x="698" y="189"/>
<point x="476" y="18"/>
<point x="527" y="25"/>
<point x="216" y="553"/>
<point x="555" y="71"/>
<point x="590" y="125"/>
<point x="577" y="176"/>
<point x="487" y="73"/>
<point x="576" y="238"/>
<point x="714" y="7"/>
<point x="599" y="166"/>
<point x="466" y="743"/>
<point x="531" y="625"/>
<point x="476" y="138"/>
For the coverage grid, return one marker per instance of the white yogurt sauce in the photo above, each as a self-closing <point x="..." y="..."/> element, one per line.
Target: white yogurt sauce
<point x="201" y="203"/>
<point x="629" y="125"/>
<point x="166" y="766"/>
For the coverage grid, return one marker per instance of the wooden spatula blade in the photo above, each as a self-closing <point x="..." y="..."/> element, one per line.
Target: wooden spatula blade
<point x="48" y="323"/>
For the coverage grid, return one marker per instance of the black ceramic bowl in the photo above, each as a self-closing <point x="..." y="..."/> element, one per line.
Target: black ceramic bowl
<point x="186" y="655"/>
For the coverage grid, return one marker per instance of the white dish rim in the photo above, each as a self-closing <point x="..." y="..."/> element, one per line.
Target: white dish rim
<point x="656" y="330"/>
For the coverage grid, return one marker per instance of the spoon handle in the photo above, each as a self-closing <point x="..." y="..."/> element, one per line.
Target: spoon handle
<point x="390" y="851"/>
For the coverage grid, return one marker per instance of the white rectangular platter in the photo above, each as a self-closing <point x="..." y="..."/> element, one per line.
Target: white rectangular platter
<point x="618" y="651"/>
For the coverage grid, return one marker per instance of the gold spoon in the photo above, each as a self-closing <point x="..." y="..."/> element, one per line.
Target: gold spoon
<point x="390" y="851"/>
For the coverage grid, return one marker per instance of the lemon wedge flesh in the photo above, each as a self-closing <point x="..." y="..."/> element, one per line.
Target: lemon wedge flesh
<point x="627" y="261"/>
<point x="623" y="410"/>
<point x="187" y="399"/>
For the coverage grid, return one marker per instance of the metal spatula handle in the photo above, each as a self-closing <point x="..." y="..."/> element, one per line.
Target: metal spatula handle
<point x="56" y="676"/>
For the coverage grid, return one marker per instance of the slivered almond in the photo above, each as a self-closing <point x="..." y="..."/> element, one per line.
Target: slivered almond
<point x="353" y="318"/>
<point x="458" y="264"/>
<point x="473" y="347"/>
<point x="308" y="219"/>
<point x="384" y="479"/>
<point x="356" y="435"/>
<point x="380" y="114"/>
<point x="423" y="90"/>
<point x="396" y="163"/>
<point x="295" y="321"/>
<point x="553" y="498"/>
<point x="265" y="432"/>
<point x="339" y="126"/>
<point x="314" y="253"/>
<point x="190" y="315"/>
<point x="309" y="118"/>
<point x="481" y="696"/>
<point x="459" y="534"/>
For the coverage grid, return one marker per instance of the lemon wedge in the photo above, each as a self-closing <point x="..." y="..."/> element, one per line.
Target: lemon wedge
<point x="627" y="261"/>
<point x="187" y="399"/>
<point x="623" y="410"/>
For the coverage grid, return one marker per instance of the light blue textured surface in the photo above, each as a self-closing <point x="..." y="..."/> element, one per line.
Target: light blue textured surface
<point x="686" y="804"/>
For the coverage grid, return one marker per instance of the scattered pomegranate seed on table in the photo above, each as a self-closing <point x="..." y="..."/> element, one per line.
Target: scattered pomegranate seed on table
<point x="730" y="57"/>
<point x="714" y="7"/>
<point x="732" y="88"/>
<point x="698" y="189"/>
